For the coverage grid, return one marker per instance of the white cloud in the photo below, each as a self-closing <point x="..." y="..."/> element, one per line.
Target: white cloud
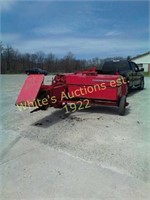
<point x="9" y="38"/>
<point x="83" y="46"/>
<point x="6" y="5"/>
<point x="113" y="33"/>
<point x="52" y="30"/>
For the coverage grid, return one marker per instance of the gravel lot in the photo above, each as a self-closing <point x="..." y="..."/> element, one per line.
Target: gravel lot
<point x="89" y="154"/>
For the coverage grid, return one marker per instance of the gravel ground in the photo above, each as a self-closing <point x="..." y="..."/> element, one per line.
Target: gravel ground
<point x="89" y="154"/>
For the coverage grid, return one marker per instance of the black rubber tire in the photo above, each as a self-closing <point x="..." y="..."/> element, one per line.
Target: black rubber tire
<point x="141" y="84"/>
<point x="122" y="105"/>
<point x="41" y="97"/>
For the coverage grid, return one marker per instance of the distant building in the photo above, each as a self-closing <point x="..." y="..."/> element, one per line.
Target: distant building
<point x="143" y="60"/>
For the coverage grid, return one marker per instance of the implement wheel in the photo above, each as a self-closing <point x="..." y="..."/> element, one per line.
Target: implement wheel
<point x="122" y="105"/>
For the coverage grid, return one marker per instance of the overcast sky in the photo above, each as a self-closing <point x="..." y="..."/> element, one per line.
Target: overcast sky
<point x="86" y="28"/>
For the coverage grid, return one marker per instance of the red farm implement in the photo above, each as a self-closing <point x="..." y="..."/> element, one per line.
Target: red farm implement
<point x="83" y="88"/>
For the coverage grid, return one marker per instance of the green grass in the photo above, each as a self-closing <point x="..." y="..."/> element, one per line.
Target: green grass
<point x="146" y="74"/>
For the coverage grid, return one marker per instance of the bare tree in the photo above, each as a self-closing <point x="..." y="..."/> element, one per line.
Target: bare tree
<point x="12" y="61"/>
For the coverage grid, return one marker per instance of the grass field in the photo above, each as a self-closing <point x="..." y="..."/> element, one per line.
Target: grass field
<point x="146" y="73"/>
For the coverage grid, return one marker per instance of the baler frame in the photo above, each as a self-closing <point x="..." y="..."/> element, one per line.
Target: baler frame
<point x="58" y="93"/>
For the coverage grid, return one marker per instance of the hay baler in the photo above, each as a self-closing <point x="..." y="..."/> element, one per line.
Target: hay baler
<point x="78" y="90"/>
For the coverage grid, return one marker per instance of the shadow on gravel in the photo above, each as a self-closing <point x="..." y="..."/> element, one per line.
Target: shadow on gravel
<point x="52" y="119"/>
<point x="104" y="110"/>
<point x="60" y="115"/>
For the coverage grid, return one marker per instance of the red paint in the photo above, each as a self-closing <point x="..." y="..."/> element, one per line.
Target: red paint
<point x="30" y="89"/>
<point x="109" y="94"/>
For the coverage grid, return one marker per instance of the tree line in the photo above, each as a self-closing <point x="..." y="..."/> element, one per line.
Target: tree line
<point x="12" y="61"/>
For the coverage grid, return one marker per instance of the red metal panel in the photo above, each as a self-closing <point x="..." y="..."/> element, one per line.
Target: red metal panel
<point x="91" y="92"/>
<point x="90" y="80"/>
<point x="57" y="91"/>
<point x="102" y="87"/>
<point x="30" y="89"/>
